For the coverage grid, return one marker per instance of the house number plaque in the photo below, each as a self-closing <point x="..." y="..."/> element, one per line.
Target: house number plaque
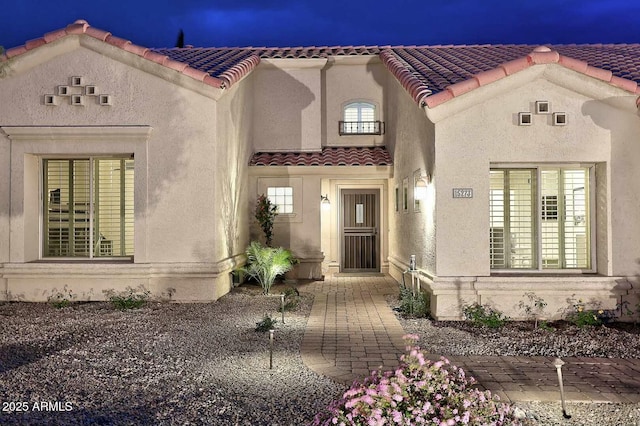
<point x="462" y="192"/>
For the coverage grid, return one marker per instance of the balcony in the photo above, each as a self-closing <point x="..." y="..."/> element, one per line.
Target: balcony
<point x="352" y="128"/>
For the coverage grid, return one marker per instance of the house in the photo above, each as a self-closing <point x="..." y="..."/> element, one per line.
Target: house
<point x="503" y="169"/>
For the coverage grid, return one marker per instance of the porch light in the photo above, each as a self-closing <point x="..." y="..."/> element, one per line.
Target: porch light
<point x="420" y="187"/>
<point x="324" y="201"/>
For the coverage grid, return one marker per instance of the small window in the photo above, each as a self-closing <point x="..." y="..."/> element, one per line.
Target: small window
<point x="405" y="194"/>
<point x="397" y="199"/>
<point x="282" y="197"/>
<point x="359" y="118"/>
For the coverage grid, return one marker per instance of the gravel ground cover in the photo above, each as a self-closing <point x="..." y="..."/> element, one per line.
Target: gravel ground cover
<point x="522" y="339"/>
<point x="455" y="338"/>
<point x="203" y="364"/>
<point x="163" y="364"/>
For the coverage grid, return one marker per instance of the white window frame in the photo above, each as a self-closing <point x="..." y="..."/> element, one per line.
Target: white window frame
<point x="360" y="105"/>
<point x="538" y="167"/>
<point x="284" y="201"/>
<point x="263" y="183"/>
<point x="44" y="194"/>
<point x="30" y="143"/>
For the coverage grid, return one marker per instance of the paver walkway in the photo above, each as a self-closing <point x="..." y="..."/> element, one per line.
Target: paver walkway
<point x="352" y="330"/>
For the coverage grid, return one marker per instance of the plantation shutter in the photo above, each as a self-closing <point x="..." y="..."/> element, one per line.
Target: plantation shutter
<point x="558" y="237"/>
<point x="512" y="220"/>
<point x="88" y="208"/>
<point x="564" y="220"/>
<point x="67" y="210"/>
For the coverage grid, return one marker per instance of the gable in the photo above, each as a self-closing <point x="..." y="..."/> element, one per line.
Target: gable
<point x="80" y="34"/>
<point x="77" y="84"/>
<point x="569" y="82"/>
<point x="434" y="75"/>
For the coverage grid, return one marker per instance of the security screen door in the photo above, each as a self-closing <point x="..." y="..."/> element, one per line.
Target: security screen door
<point x="359" y="230"/>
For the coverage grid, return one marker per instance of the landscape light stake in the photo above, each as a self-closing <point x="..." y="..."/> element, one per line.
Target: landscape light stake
<point x="558" y="363"/>
<point x="282" y="306"/>
<point x="271" y="349"/>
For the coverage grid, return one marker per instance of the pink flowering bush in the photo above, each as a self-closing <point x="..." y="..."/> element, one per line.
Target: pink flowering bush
<point x="418" y="392"/>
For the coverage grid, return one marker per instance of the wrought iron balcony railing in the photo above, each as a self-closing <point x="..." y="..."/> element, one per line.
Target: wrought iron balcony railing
<point x="348" y="128"/>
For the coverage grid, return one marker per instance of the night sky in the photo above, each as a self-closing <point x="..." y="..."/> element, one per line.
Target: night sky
<point x="331" y="22"/>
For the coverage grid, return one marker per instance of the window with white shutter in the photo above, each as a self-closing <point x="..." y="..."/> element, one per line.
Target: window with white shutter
<point x="88" y="207"/>
<point x="540" y="218"/>
<point x="359" y="118"/>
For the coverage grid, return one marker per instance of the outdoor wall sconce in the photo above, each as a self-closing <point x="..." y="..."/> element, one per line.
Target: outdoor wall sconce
<point x="420" y="187"/>
<point x="324" y="201"/>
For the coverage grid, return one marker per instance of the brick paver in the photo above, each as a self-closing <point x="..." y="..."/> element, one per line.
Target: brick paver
<point x="351" y="331"/>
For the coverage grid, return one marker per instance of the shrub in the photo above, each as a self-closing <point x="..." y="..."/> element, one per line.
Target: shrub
<point x="291" y="299"/>
<point x="484" y="316"/>
<point x="544" y="325"/>
<point x="415" y="306"/>
<point x="266" y="213"/>
<point x="535" y="308"/>
<point x="61" y="299"/>
<point x="128" y="299"/>
<point x="581" y="316"/>
<point x="267" y="323"/>
<point x="265" y="263"/>
<point x="419" y="391"/>
<point x="584" y="318"/>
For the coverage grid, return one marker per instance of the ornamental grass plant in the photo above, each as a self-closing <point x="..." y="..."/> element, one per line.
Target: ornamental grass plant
<point x="418" y="392"/>
<point x="265" y="264"/>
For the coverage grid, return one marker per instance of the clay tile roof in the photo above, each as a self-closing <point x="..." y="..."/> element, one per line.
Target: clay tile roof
<point x="329" y="156"/>
<point x="81" y="27"/>
<point x="428" y="71"/>
<point x="217" y="60"/>
<point x="430" y="74"/>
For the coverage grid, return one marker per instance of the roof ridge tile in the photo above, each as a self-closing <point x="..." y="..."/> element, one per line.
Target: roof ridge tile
<point x="599" y="73"/>
<point x="36" y="42"/>
<point x="544" y="57"/>
<point x="486" y="77"/>
<point x="54" y="35"/>
<point x="97" y="33"/>
<point x="574" y="64"/>
<point x="138" y="50"/>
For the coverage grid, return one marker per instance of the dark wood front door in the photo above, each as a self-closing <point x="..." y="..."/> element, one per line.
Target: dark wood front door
<point x="360" y="242"/>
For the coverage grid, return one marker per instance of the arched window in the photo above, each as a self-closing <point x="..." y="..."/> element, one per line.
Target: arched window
<point x="359" y="118"/>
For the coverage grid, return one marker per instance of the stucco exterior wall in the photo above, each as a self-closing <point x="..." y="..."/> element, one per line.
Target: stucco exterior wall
<point x="624" y="129"/>
<point x="287" y="107"/>
<point x="5" y="187"/>
<point x="487" y="133"/>
<point x="474" y="134"/>
<point x="412" y="140"/>
<point x="231" y="178"/>
<point x="176" y="214"/>
<point x="299" y="231"/>
<point x="297" y="107"/>
<point x="352" y="79"/>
